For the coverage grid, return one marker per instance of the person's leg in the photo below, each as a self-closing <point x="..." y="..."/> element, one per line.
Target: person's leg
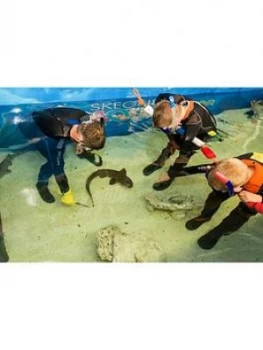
<point x="47" y="148"/>
<point x="59" y="173"/>
<point x="237" y="218"/>
<point x="212" y="204"/>
<point x="180" y="162"/>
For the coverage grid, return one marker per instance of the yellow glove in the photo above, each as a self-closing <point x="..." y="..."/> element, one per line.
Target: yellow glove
<point x="68" y="199"/>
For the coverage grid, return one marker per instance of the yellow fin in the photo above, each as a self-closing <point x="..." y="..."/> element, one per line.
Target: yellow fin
<point x="212" y="133"/>
<point x="258" y="157"/>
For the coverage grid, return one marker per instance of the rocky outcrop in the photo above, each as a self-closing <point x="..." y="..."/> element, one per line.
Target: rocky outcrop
<point x="117" y="246"/>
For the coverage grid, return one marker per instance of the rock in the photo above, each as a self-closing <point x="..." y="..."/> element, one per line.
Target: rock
<point x="105" y="240"/>
<point x="170" y="203"/>
<point x="117" y="246"/>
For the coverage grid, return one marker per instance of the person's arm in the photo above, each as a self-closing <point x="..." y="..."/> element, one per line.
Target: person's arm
<point x="252" y="200"/>
<point x="192" y="128"/>
<point x="165" y="96"/>
<point x="172" y="145"/>
<point x="49" y="125"/>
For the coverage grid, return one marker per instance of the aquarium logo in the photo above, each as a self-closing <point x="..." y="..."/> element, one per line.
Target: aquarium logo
<point x="111" y="106"/>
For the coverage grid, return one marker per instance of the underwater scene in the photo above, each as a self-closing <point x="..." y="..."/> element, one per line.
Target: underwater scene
<point x="131" y="175"/>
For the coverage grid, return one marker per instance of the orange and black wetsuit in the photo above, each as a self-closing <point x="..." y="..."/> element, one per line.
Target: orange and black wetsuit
<point x="198" y="121"/>
<point x="239" y="215"/>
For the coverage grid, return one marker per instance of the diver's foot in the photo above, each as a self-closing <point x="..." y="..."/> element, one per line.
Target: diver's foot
<point x="196" y="222"/>
<point x="162" y="185"/>
<point x="209" y="240"/>
<point x="149" y="169"/>
<point x="3" y="253"/>
<point x="45" y="193"/>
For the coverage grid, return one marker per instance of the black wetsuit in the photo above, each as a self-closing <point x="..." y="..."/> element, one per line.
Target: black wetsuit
<point x="198" y="123"/>
<point x="55" y="123"/>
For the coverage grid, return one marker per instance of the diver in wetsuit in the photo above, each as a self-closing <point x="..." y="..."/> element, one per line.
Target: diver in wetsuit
<point x="54" y="128"/>
<point x="195" y="121"/>
<point x="241" y="176"/>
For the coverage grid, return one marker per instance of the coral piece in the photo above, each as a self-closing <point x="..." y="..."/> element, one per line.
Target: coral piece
<point x="175" y="202"/>
<point x="117" y="246"/>
<point x="105" y="239"/>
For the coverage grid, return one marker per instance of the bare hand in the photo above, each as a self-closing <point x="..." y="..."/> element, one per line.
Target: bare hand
<point x="246" y="196"/>
<point x="164" y="177"/>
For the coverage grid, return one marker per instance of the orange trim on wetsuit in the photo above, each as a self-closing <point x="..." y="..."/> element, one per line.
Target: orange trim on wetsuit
<point x="184" y="111"/>
<point x="256" y="181"/>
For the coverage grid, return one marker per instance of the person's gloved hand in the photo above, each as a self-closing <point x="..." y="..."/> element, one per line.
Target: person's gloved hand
<point x="68" y="198"/>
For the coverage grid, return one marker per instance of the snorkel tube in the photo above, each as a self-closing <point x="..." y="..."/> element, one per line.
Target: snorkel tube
<point x="258" y="207"/>
<point x="148" y="109"/>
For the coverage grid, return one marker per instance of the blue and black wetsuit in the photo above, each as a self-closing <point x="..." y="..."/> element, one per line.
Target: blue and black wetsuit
<point x="55" y="123"/>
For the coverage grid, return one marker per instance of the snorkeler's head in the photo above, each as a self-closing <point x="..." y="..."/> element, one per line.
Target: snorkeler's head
<point x="92" y="136"/>
<point x="162" y="116"/>
<point x="233" y="170"/>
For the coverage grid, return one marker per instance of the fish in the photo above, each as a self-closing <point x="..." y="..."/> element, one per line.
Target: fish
<point x="7" y="162"/>
<point x="3" y="253"/>
<point x="114" y="175"/>
<point x="256" y="109"/>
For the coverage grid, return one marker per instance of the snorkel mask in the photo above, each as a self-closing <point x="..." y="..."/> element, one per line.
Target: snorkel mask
<point x="226" y="182"/>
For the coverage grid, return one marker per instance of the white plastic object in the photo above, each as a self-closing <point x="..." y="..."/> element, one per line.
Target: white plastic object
<point x="198" y="142"/>
<point x="148" y="109"/>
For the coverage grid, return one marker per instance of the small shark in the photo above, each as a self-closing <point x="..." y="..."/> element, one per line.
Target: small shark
<point x="5" y="164"/>
<point x="114" y="175"/>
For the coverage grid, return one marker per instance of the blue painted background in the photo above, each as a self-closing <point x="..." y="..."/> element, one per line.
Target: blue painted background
<point x="124" y="114"/>
<point x="15" y="96"/>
